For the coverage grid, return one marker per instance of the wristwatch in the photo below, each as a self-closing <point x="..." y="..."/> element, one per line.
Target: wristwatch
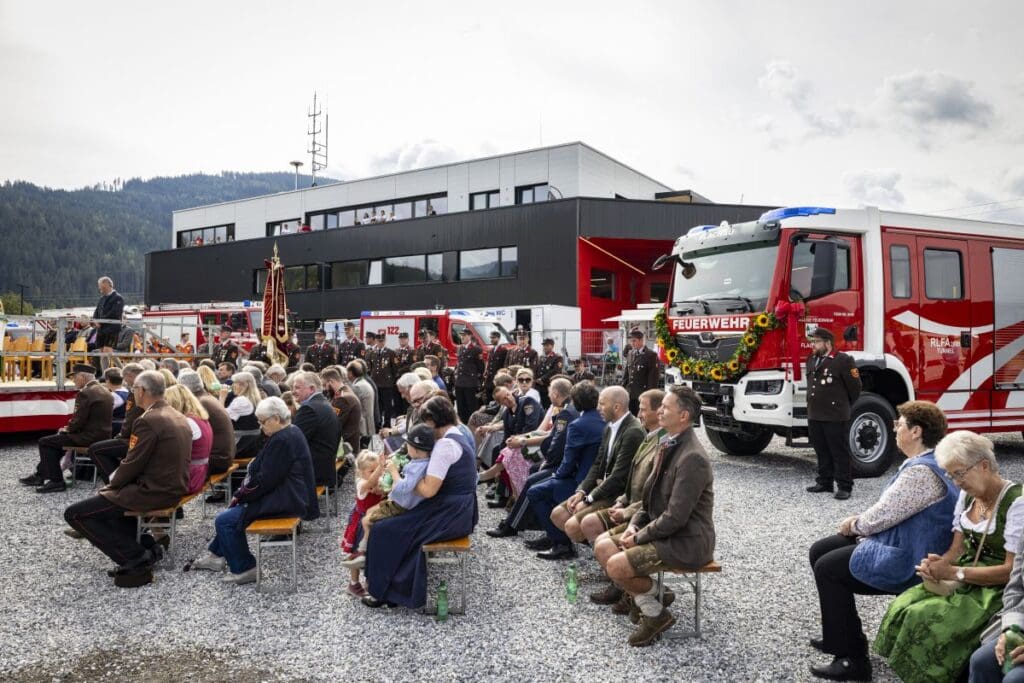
<point x="590" y="499"/>
<point x="960" y="576"/>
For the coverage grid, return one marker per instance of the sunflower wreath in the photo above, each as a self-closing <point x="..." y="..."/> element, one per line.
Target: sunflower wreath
<point x="720" y="371"/>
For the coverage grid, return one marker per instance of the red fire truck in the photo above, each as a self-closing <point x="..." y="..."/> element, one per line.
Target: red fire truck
<point x="170" y="321"/>
<point x="929" y="307"/>
<point x="447" y="326"/>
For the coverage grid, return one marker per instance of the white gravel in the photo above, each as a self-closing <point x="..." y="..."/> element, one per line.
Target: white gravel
<point x="63" y="620"/>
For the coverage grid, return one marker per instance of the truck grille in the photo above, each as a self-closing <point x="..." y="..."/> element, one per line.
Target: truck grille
<point x="717" y="350"/>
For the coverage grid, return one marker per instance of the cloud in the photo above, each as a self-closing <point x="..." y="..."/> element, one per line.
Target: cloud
<point x="874" y="188"/>
<point x="933" y="98"/>
<point x="413" y="155"/>
<point x="782" y="82"/>
<point x="1015" y="181"/>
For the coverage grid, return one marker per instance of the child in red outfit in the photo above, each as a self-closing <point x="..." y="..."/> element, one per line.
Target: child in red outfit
<point x="368" y="494"/>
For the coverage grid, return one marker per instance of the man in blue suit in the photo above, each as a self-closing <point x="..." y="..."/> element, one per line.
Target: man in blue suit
<point x="582" y="442"/>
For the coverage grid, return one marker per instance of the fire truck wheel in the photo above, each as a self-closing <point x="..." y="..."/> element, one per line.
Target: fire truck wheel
<point x="872" y="443"/>
<point x="740" y="444"/>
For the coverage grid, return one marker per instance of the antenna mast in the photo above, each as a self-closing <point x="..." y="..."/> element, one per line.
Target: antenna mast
<point x="317" y="150"/>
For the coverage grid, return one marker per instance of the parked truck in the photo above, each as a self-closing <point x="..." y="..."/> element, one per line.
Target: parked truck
<point x="929" y="308"/>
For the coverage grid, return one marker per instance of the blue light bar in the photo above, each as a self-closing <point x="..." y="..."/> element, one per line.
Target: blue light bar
<point x="792" y="211"/>
<point x="701" y="228"/>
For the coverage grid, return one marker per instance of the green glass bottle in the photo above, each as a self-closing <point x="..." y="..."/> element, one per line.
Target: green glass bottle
<point x="571" y="584"/>
<point x="1014" y="639"/>
<point x="442" y="602"/>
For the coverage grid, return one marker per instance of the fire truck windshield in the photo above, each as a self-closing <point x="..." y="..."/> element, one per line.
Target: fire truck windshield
<point x="725" y="282"/>
<point x="484" y="329"/>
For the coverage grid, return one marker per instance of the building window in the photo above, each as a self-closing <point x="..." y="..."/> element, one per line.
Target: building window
<point x="383" y="212"/>
<point x="602" y="284"/>
<point x="659" y="292"/>
<point x="296" y="278"/>
<point x="399" y="270"/>
<point x="346" y="274"/>
<point x="202" y="236"/>
<point x="282" y="227"/>
<point x="435" y="270"/>
<point x="484" y="200"/>
<point x="488" y="263"/>
<point x="531" y="194"/>
<point x="943" y="274"/>
<point x="899" y="271"/>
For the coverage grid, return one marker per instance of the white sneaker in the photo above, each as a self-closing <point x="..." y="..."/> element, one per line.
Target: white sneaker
<point x="240" y="579"/>
<point x="357" y="562"/>
<point x="210" y="562"/>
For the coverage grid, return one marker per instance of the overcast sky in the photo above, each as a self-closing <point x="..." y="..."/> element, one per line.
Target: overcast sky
<point x="910" y="105"/>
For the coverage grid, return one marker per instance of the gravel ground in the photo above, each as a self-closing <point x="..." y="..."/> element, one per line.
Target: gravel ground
<point x="63" y="620"/>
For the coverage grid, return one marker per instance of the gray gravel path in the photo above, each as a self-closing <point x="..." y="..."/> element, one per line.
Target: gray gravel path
<point x="61" y="618"/>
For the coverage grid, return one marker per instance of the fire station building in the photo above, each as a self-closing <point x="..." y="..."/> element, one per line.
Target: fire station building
<point x="563" y="225"/>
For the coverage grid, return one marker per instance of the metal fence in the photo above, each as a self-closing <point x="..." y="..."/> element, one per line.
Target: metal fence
<point x="602" y="358"/>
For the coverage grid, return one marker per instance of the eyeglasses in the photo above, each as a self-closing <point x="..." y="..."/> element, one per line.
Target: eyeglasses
<point x="417" y="401"/>
<point x="266" y="420"/>
<point x="524" y="380"/>
<point x="898" y="423"/>
<point x="961" y="474"/>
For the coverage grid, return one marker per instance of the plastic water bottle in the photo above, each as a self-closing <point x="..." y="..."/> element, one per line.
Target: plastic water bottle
<point x="1014" y="639"/>
<point x="571" y="584"/>
<point x="442" y="602"/>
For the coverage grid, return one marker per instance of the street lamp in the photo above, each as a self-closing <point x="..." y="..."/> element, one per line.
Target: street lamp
<point x="21" y="304"/>
<point x="296" y="164"/>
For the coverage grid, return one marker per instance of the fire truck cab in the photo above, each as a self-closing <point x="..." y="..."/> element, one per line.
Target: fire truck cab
<point x="929" y="307"/>
<point x="447" y="326"/>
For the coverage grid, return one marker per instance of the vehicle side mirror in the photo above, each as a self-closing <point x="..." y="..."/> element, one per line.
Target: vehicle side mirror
<point x="823" y="276"/>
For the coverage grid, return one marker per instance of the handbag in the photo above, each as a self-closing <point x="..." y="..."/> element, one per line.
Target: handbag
<point x="946" y="587"/>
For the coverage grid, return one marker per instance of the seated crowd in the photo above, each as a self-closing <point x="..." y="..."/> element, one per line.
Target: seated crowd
<point x="944" y="536"/>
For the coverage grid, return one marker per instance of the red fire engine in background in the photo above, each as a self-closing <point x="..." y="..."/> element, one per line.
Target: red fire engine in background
<point x="929" y="307"/>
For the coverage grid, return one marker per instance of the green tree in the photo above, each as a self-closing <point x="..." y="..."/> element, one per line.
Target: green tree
<point x="12" y="304"/>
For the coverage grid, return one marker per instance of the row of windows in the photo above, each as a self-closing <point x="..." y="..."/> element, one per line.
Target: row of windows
<point x="943" y="273"/>
<point x="212" y="235"/>
<point x="381" y="212"/>
<point x="473" y="264"/>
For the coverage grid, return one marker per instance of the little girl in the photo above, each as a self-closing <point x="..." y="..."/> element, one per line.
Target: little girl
<point x="368" y="494"/>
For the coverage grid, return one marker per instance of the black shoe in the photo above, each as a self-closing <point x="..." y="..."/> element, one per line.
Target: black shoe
<point x="496" y="504"/>
<point x="842" y="495"/>
<point x="74" y="533"/>
<point x="216" y="497"/>
<point x="134" y="578"/>
<point x="503" y="531"/>
<point x="52" y="487"/>
<point x="817" y="643"/>
<point x="374" y="603"/>
<point x="818" y="488"/>
<point x="609" y="596"/>
<point x="490" y="495"/>
<point x="542" y="543"/>
<point x="179" y="513"/>
<point x="844" y="669"/>
<point x="32" y="480"/>
<point x="558" y="552"/>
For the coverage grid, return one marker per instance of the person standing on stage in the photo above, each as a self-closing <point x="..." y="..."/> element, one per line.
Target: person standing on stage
<point x="833" y="384"/>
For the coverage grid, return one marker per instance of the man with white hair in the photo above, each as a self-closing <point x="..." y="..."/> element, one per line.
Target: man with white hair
<point x="109" y="307"/>
<point x="90" y="422"/>
<point x="154" y="475"/>
<point x="319" y="424"/>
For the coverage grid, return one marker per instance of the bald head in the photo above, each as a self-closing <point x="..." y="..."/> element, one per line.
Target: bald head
<point x="613" y="403"/>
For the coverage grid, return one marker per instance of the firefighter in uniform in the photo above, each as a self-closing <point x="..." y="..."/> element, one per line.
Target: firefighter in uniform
<point x="320" y="354"/>
<point x="405" y="356"/>
<point x="550" y="364"/>
<point x="522" y="354"/>
<point x="226" y="351"/>
<point x="350" y="348"/>
<point x="497" y="357"/>
<point x="641" y="371"/>
<point x="833" y="385"/>
<point x="260" y="353"/>
<point x="383" y="365"/>
<point x="429" y="346"/>
<point x="469" y="370"/>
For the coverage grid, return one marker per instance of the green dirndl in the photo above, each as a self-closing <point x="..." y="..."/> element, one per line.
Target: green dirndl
<point x="930" y="638"/>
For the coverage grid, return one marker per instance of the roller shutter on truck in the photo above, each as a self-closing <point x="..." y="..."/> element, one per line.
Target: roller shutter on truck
<point x="1008" y="295"/>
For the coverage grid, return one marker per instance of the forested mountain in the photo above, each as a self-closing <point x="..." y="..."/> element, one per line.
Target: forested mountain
<point x="58" y="242"/>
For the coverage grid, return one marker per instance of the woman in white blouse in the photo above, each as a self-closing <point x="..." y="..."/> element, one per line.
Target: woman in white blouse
<point x="240" y="401"/>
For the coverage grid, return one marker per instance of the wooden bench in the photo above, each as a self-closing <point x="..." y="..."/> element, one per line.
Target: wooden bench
<point x="265" y="530"/>
<point x="220" y="482"/>
<point x="692" y="577"/>
<point x="453" y="551"/>
<point x="154" y="520"/>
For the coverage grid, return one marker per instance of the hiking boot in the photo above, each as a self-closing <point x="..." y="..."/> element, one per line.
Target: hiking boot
<point x="210" y="562"/>
<point x="609" y="596"/>
<point x="666" y="601"/>
<point x="650" y="628"/>
<point x="624" y="605"/>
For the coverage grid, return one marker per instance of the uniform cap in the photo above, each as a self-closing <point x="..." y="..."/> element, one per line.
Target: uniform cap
<point x="371" y="335"/>
<point x="422" y="333"/>
<point x="349" y="325"/>
<point x="495" y="333"/>
<point x="403" y="335"/>
<point x="821" y="333"/>
<point x="226" y="328"/>
<point x="549" y="340"/>
<point x="636" y="334"/>
<point x="465" y="332"/>
<point x="321" y="331"/>
<point x="421" y="436"/>
<point x="83" y="367"/>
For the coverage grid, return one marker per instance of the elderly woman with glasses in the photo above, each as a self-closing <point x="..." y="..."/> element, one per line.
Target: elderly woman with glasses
<point x="279" y="483"/>
<point x="876" y="552"/>
<point x="928" y="636"/>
